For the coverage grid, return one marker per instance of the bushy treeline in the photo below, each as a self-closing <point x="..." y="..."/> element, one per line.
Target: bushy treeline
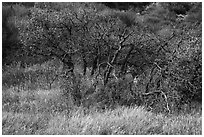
<point x="112" y="57"/>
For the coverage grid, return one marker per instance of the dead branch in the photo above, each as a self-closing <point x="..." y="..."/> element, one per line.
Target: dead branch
<point x="161" y="92"/>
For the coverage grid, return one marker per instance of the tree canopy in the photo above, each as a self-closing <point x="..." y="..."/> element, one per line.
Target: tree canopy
<point x="159" y="42"/>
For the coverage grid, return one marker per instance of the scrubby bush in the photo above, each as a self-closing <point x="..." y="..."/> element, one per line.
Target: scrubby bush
<point x="99" y="46"/>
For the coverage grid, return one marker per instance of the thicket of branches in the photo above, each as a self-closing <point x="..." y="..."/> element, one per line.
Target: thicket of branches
<point x="161" y="47"/>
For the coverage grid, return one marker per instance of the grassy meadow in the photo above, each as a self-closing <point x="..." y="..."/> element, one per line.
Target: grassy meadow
<point x="46" y="111"/>
<point x="101" y="68"/>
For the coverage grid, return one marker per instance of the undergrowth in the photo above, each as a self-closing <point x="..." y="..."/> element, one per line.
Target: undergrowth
<point x="47" y="112"/>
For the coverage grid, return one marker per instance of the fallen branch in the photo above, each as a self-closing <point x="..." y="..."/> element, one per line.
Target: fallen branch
<point x="161" y="92"/>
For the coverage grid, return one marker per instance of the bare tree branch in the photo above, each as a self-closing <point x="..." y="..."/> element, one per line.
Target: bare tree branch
<point x="163" y="94"/>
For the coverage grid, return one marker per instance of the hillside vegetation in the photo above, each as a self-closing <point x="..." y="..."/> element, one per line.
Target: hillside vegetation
<point x="101" y="68"/>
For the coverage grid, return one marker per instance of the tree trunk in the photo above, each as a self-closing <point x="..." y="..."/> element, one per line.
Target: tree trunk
<point x="94" y="65"/>
<point x="126" y="58"/>
<point x="85" y="66"/>
<point x="109" y="68"/>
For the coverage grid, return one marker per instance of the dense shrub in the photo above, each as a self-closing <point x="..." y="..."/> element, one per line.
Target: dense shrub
<point x="157" y="46"/>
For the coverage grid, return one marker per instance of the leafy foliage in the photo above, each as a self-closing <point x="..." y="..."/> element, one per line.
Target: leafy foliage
<point x="159" y="46"/>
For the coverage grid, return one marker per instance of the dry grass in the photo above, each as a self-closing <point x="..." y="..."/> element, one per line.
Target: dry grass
<point x="123" y="120"/>
<point x="48" y="112"/>
<point x="120" y="121"/>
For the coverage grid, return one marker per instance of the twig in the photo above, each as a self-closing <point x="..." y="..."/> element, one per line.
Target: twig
<point x="157" y="66"/>
<point x="159" y="91"/>
<point x="167" y="104"/>
<point x="149" y="93"/>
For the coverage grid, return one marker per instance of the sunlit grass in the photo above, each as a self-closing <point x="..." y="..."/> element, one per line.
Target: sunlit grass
<point x="120" y="121"/>
<point x="49" y="112"/>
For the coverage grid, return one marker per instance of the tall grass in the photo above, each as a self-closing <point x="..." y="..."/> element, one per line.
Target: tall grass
<point x="120" y="121"/>
<point x="49" y="111"/>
